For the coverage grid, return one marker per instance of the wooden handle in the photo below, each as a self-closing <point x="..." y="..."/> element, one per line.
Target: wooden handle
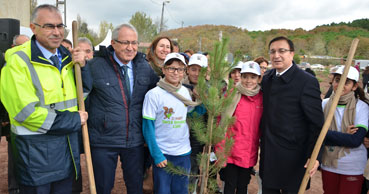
<point x="81" y="106"/>
<point x="329" y="118"/>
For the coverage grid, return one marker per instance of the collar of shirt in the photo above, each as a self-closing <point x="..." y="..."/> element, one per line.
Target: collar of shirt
<point x="129" y="65"/>
<point x="281" y="73"/>
<point x="47" y="54"/>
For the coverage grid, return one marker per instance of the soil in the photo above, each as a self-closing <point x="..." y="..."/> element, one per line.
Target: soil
<point x="316" y="184"/>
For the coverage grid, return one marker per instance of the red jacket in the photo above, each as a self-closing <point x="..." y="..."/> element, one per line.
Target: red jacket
<point x="246" y="131"/>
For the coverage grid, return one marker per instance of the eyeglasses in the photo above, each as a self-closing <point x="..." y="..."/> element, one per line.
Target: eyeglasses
<point x="50" y="27"/>
<point x="172" y="69"/>
<point x="280" y="51"/>
<point x="264" y="68"/>
<point x="127" y="42"/>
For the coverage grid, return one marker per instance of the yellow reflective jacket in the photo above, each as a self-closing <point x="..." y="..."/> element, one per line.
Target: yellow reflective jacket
<point x="42" y="104"/>
<point x="37" y="91"/>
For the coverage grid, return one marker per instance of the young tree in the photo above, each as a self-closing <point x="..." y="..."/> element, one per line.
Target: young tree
<point x="212" y="133"/>
<point x="104" y="27"/>
<point x="146" y="29"/>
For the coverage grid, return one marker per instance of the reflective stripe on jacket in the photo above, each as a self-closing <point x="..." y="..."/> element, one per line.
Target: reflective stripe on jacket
<point x="32" y="91"/>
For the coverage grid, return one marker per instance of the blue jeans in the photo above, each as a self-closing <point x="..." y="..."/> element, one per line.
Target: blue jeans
<point x="58" y="187"/>
<point x="104" y="162"/>
<point x="165" y="183"/>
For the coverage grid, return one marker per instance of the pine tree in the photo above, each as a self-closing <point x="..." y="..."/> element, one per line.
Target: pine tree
<point x="211" y="93"/>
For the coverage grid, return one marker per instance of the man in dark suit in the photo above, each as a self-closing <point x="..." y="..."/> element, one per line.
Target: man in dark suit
<point x="291" y="123"/>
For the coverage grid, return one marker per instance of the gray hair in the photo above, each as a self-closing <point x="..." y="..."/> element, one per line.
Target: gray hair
<point x="49" y="7"/>
<point x="115" y="33"/>
<point x="85" y="40"/>
<point x="16" y="36"/>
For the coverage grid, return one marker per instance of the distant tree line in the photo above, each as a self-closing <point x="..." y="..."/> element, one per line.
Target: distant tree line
<point x="361" y="23"/>
<point x="332" y="39"/>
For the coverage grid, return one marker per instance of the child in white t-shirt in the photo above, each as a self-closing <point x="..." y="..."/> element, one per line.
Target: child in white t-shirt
<point x="165" y="129"/>
<point x="344" y="155"/>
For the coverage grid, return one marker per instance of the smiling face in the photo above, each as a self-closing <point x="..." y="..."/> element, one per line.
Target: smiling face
<point x="350" y="85"/>
<point x="281" y="56"/>
<point x="125" y="52"/>
<point x="174" y="72"/>
<point x="193" y="73"/>
<point x="162" y="48"/>
<point x="249" y="80"/>
<point x="50" y="39"/>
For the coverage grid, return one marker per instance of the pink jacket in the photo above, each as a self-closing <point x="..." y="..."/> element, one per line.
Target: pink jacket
<point x="246" y="131"/>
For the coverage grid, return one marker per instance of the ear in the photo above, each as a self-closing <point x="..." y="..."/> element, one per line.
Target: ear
<point x="33" y="27"/>
<point x="355" y="86"/>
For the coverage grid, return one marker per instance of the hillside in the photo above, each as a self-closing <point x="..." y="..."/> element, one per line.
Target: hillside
<point x="333" y="40"/>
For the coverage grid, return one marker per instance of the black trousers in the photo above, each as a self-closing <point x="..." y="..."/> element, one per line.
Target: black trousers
<point x="236" y="179"/>
<point x="105" y="163"/>
<point x="276" y="191"/>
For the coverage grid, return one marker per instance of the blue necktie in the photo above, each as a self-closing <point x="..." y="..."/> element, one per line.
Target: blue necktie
<point x="126" y="79"/>
<point x="55" y="60"/>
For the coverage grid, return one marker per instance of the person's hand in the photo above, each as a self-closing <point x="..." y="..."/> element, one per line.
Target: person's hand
<point x="314" y="169"/>
<point x="84" y="117"/>
<point x="352" y="129"/>
<point x="162" y="164"/>
<point x="4" y="124"/>
<point x="366" y="142"/>
<point x="79" y="56"/>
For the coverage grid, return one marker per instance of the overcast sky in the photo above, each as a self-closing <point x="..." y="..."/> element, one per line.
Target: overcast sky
<point x="247" y="14"/>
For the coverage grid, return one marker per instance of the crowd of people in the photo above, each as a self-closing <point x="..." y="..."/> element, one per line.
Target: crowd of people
<point x="137" y="107"/>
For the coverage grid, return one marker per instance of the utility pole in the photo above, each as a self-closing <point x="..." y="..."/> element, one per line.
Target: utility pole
<point x="162" y="16"/>
<point x="58" y="2"/>
<point x="200" y="43"/>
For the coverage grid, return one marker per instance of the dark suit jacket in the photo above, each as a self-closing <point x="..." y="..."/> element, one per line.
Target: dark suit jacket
<point x="291" y="123"/>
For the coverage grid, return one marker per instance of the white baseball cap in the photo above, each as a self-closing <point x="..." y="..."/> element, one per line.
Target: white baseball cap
<point x="251" y="67"/>
<point x="198" y="59"/>
<point x="353" y="74"/>
<point x="239" y="65"/>
<point x="174" y="56"/>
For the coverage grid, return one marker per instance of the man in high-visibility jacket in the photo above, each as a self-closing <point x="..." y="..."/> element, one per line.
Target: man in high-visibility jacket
<point x="38" y="91"/>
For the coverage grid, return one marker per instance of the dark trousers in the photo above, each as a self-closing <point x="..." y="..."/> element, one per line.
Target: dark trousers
<point x="196" y="148"/>
<point x="77" y="184"/>
<point x="166" y="183"/>
<point x="105" y="163"/>
<point x="276" y="191"/>
<point x="13" y="186"/>
<point x="236" y="179"/>
<point x="58" y="187"/>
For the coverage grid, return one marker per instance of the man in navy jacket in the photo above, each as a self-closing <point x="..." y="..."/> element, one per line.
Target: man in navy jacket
<point x="121" y="77"/>
<point x="291" y="122"/>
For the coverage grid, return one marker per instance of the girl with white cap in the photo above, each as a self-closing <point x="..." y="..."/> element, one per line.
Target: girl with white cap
<point x="247" y="109"/>
<point x="344" y="156"/>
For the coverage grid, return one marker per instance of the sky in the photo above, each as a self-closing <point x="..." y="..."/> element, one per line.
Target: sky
<point x="252" y="15"/>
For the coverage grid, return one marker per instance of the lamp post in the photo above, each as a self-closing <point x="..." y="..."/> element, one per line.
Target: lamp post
<point x="162" y="16"/>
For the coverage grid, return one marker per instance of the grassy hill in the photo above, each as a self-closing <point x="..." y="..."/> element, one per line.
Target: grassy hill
<point x="333" y="39"/>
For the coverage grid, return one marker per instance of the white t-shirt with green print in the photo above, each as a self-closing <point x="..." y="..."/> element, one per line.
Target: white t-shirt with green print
<point x="169" y="113"/>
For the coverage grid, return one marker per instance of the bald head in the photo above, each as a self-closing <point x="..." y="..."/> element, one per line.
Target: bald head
<point x="20" y="39"/>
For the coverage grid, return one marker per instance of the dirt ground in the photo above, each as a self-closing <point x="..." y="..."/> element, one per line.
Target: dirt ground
<point x="316" y="184"/>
